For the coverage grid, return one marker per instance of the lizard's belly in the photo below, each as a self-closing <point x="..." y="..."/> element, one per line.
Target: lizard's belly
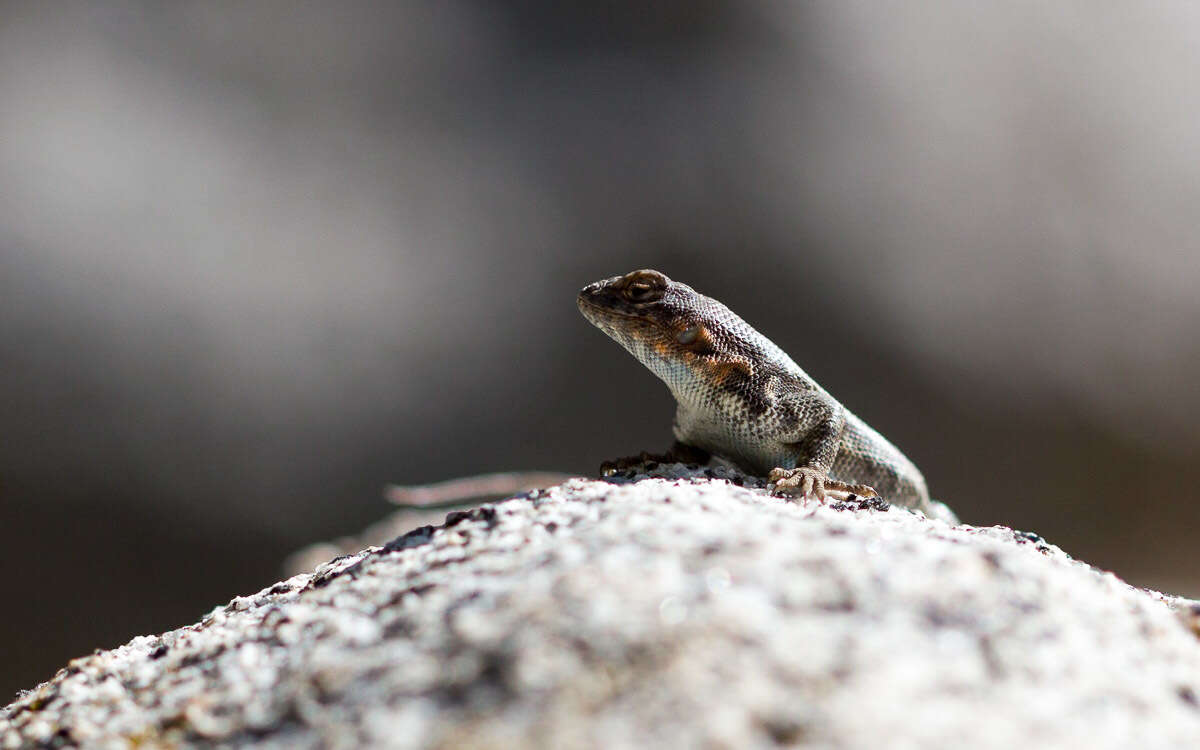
<point x="733" y="438"/>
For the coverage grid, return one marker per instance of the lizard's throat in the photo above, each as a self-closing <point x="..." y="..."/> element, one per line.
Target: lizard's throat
<point x="669" y="368"/>
<point x="647" y="344"/>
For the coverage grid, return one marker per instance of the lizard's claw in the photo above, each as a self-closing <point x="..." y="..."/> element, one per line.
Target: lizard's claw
<point x="802" y="481"/>
<point x="805" y="480"/>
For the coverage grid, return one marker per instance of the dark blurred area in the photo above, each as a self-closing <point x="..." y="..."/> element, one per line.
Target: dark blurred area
<point x="258" y="260"/>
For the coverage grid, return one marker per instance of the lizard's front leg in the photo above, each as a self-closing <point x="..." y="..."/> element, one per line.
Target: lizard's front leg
<point x="815" y="446"/>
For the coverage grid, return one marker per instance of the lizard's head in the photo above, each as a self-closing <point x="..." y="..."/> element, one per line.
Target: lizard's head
<point x="678" y="333"/>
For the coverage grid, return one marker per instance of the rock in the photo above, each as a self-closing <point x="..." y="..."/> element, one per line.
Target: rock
<point x="684" y="611"/>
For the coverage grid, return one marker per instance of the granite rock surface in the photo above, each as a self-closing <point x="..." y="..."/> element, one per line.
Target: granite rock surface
<point x="678" y="611"/>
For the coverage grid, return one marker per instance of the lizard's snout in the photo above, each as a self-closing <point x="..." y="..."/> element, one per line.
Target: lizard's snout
<point x="587" y="294"/>
<point x="597" y="303"/>
<point x="585" y="300"/>
<point x="595" y="294"/>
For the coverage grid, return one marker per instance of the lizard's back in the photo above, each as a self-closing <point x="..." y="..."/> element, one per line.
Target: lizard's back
<point x="739" y="395"/>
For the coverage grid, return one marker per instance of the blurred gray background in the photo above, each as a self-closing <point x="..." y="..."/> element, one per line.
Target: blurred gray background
<point x="257" y="260"/>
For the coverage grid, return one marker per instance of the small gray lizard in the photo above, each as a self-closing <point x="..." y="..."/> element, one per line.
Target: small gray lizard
<point x="742" y="398"/>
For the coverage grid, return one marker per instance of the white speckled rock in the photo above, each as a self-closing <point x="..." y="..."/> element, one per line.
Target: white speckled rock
<point x="683" y="611"/>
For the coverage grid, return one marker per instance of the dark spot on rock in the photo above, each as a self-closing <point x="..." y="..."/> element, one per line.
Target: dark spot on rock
<point x="1187" y="695"/>
<point x="1028" y="537"/>
<point x="421" y="588"/>
<point x="40" y="702"/>
<point x="196" y="657"/>
<point x="491" y="684"/>
<point x="417" y="590"/>
<point x="841" y="605"/>
<point x="415" y="538"/>
<point x="486" y="513"/>
<point x="783" y="730"/>
<point x="279" y="588"/>
<point x="854" y="502"/>
<point x="877" y="503"/>
<point x="329" y="575"/>
<point x="159" y="652"/>
<point x="992" y="560"/>
<point x="947" y="617"/>
<point x="995" y="666"/>
<point x="551" y="526"/>
<point x="400" y="628"/>
<point x="273" y="617"/>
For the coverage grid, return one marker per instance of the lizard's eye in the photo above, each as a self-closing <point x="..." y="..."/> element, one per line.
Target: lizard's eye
<point x="643" y="291"/>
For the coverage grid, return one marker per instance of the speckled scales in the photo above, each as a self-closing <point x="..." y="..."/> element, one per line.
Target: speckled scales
<point x="742" y="397"/>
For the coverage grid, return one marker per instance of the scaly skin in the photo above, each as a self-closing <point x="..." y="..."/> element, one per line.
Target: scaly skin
<point x="742" y="398"/>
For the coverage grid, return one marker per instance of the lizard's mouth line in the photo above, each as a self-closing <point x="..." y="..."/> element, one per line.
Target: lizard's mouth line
<point x="617" y="313"/>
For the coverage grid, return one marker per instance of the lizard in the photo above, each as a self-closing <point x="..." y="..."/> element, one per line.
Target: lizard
<point x="741" y="398"/>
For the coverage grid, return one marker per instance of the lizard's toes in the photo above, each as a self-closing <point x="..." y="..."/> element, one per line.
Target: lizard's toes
<point x="802" y="482"/>
<point x="851" y="491"/>
<point x="787" y="481"/>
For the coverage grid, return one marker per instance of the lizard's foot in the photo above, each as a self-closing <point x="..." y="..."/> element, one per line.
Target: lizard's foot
<point x="678" y="453"/>
<point x="805" y="480"/>
<point x="802" y="481"/>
